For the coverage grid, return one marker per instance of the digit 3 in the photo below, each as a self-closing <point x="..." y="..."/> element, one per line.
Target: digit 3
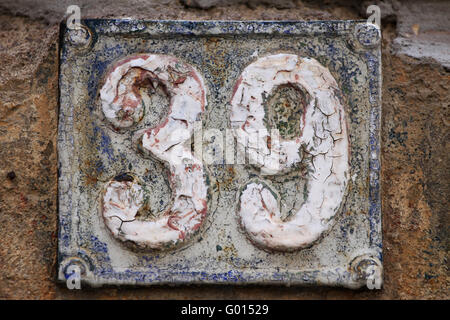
<point x="323" y="140"/>
<point x="122" y="106"/>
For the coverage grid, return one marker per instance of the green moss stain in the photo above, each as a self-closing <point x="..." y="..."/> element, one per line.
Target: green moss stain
<point x="284" y="109"/>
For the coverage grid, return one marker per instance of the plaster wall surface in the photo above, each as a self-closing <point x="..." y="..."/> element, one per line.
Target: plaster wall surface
<point x="415" y="129"/>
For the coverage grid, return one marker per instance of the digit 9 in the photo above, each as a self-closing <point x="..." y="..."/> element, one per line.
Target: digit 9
<point x="323" y="144"/>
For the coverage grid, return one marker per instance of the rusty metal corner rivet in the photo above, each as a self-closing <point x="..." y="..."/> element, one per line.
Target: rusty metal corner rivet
<point x="74" y="262"/>
<point x="368" y="268"/>
<point x="368" y="34"/>
<point x="79" y="36"/>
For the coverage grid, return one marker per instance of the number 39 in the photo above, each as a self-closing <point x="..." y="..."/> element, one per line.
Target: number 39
<point x="322" y="145"/>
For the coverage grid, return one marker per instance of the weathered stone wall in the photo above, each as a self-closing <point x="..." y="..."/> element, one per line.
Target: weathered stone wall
<point x="415" y="123"/>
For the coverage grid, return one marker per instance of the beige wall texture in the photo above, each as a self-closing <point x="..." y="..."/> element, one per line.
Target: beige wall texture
<point x="415" y="132"/>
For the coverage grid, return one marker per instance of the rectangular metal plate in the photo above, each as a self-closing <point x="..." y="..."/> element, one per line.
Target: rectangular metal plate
<point x="92" y="152"/>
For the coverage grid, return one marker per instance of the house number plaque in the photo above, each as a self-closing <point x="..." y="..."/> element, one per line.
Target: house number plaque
<point x="220" y="152"/>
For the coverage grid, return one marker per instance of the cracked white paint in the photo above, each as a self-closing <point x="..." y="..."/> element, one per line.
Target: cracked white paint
<point x="323" y="136"/>
<point x="122" y="200"/>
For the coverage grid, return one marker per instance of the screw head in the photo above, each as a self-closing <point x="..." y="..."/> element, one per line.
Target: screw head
<point x="79" y="36"/>
<point x="74" y="262"/>
<point x="365" y="268"/>
<point x="368" y="34"/>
